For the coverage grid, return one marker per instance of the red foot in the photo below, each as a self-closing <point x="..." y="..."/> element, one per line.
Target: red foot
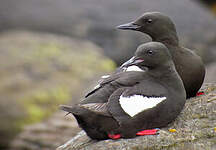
<point x="199" y="93"/>
<point x="148" y="132"/>
<point x="114" y="136"/>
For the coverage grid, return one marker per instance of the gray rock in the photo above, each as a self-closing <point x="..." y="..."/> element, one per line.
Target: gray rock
<point x="195" y="130"/>
<point x="96" y="21"/>
<point x="210" y="73"/>
<point x="40" y="71"/>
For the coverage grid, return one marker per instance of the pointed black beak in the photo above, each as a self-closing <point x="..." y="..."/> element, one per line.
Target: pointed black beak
<point x="132" y="61"/>
<point x="128" y="26"/>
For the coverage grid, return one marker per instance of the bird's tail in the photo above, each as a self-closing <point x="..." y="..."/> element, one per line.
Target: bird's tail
<point x="88" y="121"/>
<point x="75" y="110"/>
<point x="66" y="108"/>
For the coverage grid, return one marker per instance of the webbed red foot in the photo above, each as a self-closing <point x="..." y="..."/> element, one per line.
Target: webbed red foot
<point x="200" y="93"/>
<point x="148" y="132"/>
<point x="114" y="136"/>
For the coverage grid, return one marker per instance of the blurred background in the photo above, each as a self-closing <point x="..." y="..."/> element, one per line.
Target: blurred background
<point x="53" y="51"/>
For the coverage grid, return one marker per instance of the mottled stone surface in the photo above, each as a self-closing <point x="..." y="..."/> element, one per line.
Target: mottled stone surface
<point x="195" y="130"/>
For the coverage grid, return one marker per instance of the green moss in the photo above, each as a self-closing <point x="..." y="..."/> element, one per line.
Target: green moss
<point x="108" y="65"/>
<point x="48" y="57"/>
<point x="40" y="71"/>
<point x="35" y="113"/>
<point x="47" y="50"/>
<point x="42" y="103"/>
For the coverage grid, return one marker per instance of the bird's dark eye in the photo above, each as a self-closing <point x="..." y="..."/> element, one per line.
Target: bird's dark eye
<point x="149" y="21"/>
<point x="149" y="52"/>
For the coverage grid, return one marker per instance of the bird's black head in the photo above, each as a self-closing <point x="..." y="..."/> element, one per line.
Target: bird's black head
<point x="150" y="55"/>
<point x="155" y="24"/>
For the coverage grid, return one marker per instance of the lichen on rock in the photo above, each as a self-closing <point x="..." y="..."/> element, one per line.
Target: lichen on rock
<point x="194" y="130"/>
<point x="40" y="71"/>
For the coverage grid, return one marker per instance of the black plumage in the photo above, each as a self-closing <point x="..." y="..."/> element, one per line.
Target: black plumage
<point x="161" y="29"/>
<point x="147" y="94"/>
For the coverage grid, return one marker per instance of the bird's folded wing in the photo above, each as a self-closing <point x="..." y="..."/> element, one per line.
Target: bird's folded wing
<point x="135" y="104"/>
<point x="127" y="103"/>
<point x="118" y="79"/>
<point x="103" y="81"/>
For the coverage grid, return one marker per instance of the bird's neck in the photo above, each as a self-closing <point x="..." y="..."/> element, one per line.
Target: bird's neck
<point x="168" y="78"/>
<point x="169" y="39"/>
<point x="163" y="72"/>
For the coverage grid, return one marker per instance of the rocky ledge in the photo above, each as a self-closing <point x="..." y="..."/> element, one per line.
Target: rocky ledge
<point x="194" y="129"/>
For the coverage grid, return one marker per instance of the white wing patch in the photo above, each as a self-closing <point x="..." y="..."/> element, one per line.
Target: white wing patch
<point x="97" y="86"/>
<point x="133" y="68"/>
<point x="105" y="76"/>
<point x="137" y="103"/>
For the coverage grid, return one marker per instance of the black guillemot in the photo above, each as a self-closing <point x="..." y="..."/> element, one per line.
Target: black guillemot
<point x="148" y="94"/>
<point x="161" y="29"/>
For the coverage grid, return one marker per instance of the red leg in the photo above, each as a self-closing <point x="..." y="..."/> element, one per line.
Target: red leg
<point x="143" y="132"/>
<point x="200" y="93"/>
<point x="148" y="132"/>
<point x="114" y="136"/>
